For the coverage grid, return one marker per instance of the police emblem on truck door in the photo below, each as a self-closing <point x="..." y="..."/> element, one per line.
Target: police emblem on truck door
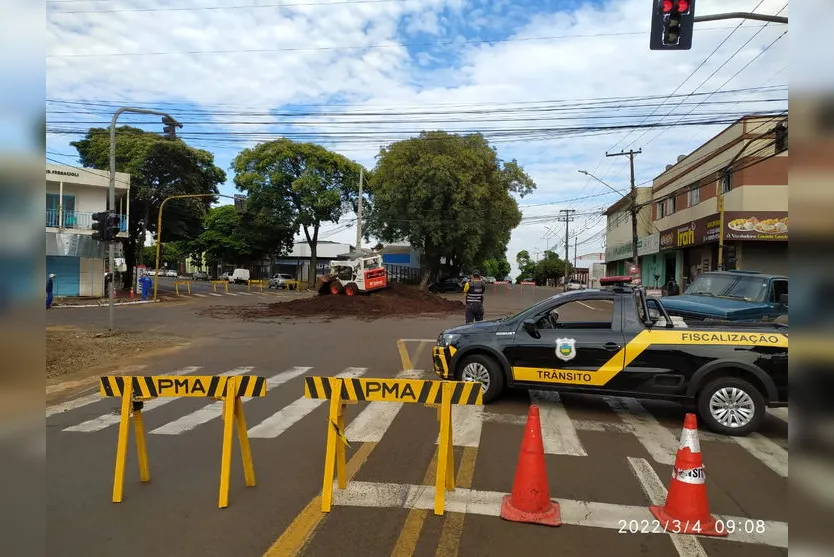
<point x="565" y="349"/>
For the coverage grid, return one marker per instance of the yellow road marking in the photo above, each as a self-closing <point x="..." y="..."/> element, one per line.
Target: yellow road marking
<point x="406" y="361"/>
<point x="453" y="525"/>
<point x="410" y="534"/>
<point x="296" y="536"/>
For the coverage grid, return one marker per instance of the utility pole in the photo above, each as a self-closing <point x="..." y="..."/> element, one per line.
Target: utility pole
<point x="567" y="217"/>
<point x="359" y="211"/>
<point x="633" y="206"/>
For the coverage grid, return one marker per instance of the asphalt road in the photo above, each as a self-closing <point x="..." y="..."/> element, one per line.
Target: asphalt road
<point x="607" y="459"/>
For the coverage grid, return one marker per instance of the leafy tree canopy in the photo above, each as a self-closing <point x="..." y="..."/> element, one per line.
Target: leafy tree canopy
<point x="448" y="194"/>
<point x="294" y="186"/>
<point x="159" y="168"/>
<point x="498" y="268"/>
<point x="550" y="267"/>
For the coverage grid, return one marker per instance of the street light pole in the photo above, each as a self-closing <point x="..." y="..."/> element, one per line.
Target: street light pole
<point x="111" y="200"/>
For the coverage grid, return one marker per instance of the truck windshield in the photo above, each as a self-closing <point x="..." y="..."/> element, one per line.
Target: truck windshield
<point x="750" y="289"/>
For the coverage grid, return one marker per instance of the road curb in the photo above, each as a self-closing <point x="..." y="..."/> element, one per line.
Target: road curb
<point x="104" y="305"/>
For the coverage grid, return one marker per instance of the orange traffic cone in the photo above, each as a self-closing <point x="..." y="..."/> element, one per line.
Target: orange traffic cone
<point x="530" y="499"/>
<point x="687" y="509"/>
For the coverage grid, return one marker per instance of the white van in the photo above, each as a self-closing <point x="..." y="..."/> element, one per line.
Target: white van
<point x="239" y="276"/>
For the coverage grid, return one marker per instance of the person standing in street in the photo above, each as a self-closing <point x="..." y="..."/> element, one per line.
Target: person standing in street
<point x="50" y="284"/>
<point x="474" y="291"/>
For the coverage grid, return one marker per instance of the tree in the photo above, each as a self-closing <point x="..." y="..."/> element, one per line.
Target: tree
<point x="158" y="168"/>
<point x="300" y="184"/>
<point x="448" y="195"/>
<point x="222" y="239"/>
<point x="498" y="268"/>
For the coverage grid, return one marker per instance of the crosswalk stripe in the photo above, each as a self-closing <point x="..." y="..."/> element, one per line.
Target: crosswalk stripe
<point x="373" y="422"/>
<point x="215" y="409"/>
<point x="285" y="418"/>
<point x="766" y="451"/>
<point x="91" y="398"/>
<point x="199" y="295"/>
<point x="655" y="438"/>
<point x="106" y="420"/>
<point x="214" y="294"/>
<point x="558" y="432"/>
<point x="232" y="293"/>
<point x="245" y="293"/>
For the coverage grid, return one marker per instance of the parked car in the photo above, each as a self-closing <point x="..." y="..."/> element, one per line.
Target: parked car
<point x="171" y="273"/>
<point x="450" y="284"/>
<point x="199" y="275"/>
<point x="489" y="280"/>
<point x="283" y="280"/>
<point x="732" y="296"/>
<point x="574" y="284"/>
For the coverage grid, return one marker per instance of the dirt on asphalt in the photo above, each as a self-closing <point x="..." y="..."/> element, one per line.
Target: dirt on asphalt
<point x="396" y="299"/>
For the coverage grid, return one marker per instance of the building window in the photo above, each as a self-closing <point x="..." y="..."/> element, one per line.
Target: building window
<point x="726" y="183"/>
<point x="669" y="208"/>
<point x="68" y="209"/>
<point x="660" y="214"/>
<point x="694" y="196"/>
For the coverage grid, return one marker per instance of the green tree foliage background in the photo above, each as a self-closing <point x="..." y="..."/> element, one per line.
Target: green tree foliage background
<point x="449" y="195"/>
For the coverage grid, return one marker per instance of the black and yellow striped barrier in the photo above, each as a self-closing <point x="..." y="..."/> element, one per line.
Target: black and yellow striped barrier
<point x="440" y="394"/>
<point x="134" y="390"/>
<point x="223" y="283"/>
<point x="178" y="283"/>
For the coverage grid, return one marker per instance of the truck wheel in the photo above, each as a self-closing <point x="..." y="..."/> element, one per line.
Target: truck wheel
<point x="731" y="406"/>
<point x="335" y="287"/>
<point x="483" y="369"/>
<point x="351" y="289"/>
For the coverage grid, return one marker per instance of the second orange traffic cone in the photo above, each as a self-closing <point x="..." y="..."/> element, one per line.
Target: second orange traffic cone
<point x="687" y="509"/>
<point x="530" y="500"/>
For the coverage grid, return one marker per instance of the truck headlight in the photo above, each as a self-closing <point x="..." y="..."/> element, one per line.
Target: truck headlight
<point x="447" y="339"/>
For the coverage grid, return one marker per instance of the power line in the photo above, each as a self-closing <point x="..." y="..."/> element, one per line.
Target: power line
<point x="455" y="42"/>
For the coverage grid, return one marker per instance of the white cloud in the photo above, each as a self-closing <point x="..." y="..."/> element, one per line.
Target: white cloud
<point x="266" y="58"/>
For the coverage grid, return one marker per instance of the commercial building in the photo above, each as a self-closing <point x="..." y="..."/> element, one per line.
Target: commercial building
<point x="72" y="196"/>
<point x="298" y="262"/>
<point x="725" y="205"/>
<point x="619" y="249"/>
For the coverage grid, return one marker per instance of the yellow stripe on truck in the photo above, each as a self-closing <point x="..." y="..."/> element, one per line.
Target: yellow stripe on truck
<point x="637" y="346"/>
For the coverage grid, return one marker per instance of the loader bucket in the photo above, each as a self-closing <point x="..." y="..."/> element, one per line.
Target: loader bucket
<point x="323" y="285"/>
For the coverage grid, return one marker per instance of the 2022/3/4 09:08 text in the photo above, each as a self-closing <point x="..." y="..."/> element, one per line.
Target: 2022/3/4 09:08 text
<point x="748" y="526"/>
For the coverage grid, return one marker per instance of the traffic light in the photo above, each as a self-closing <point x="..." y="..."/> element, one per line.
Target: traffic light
<point x="100" y="226"/>
<point x="672" y="24"/>
<point x="170" y="128"/>
<point x="113" y="226"/>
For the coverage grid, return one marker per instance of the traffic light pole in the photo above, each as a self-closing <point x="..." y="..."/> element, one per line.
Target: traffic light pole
<point x="111" y="200"/>
<point x="159" y="229"/>
<point x="740" y="15"/>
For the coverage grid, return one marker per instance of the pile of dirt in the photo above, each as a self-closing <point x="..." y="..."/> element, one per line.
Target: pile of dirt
<point x="396" y="299"/>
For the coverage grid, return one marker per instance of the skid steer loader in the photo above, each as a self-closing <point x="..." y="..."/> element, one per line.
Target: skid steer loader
<point x="353" y="274"/>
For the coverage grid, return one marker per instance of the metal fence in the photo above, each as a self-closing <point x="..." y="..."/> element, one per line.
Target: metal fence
<point x="402" y="274"/>
<point x="82" y="220"/>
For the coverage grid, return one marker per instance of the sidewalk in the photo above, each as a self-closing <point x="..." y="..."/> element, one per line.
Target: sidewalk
<point x="122" y="299"/>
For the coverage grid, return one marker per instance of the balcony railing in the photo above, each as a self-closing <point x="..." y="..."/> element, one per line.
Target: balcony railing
<point x="76" y="220"/>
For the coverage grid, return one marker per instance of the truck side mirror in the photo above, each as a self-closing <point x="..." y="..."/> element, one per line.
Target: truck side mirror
<point x="783" y="299"/>
<point x="531" y="328"/>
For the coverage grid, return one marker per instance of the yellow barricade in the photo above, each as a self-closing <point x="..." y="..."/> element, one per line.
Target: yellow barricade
<point x="225" y="284"/>
<point x="441" y="394"/>
<point x="178" y="283"/>
<point x="258" y="284"/>
<point x="134" y="390"/>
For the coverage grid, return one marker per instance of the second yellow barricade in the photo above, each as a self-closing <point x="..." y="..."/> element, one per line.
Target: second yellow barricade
<point x="440" y="394"/>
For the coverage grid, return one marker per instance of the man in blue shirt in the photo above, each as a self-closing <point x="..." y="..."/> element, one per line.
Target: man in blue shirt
<point x="49" y="287"/>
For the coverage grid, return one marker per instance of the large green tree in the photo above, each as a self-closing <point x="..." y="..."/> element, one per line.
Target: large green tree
<point x="449" y="195"/>
<point x="302" y="185"/>
<point x="158" y="168"/>
<point x="498" y="268"/>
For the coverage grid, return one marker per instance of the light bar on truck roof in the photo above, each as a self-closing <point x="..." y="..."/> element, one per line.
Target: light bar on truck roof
<point x="606" y="281"/>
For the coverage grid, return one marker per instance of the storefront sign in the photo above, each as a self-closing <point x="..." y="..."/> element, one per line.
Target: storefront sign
<point x="691" y="234"/>
<point x="646" y="245"/>
<point x="62" y="173"/>
<point x="756" y="225"/>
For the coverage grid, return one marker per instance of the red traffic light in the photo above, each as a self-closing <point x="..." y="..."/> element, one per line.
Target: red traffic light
<point x="683" y="6"/>
<point x="667" y="6"/>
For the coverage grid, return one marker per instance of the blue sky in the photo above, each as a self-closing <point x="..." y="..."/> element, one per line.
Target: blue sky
<point x="355" y="75"/>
